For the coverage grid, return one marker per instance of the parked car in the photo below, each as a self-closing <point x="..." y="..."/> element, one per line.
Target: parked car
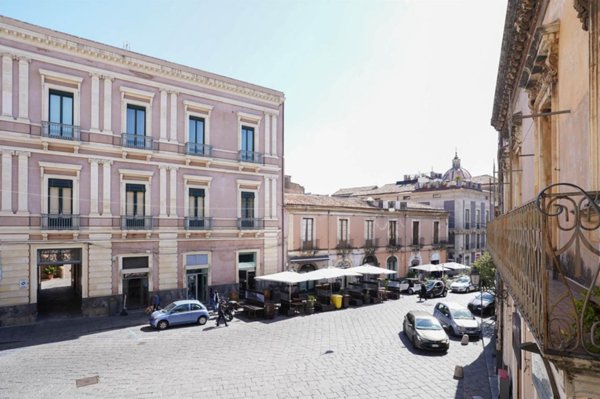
<point x="435" y="288"/>
<point x="457" y="318"/>
<point x="484" y="301"/>
<point x="424" y="331"/>
<point x="189" y="311"/>
<point x="410" y="285"/>
<point x="462" y="284"/>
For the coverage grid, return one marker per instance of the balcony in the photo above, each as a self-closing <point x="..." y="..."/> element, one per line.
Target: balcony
<point x="60" y="131"/>
<point x="60" y="222"/>
<point x="344" y="246"/>
<point x="546" y="253"/>
<point x="198" y="223"/>
<point x="250" y="223"/>
<point x="137" y="141"/>
<point x="250" y="156"/>
<point x="418" y="244"/>
<point x="136" y="222"/>
<point x="371" y="243"/>
<point x="201" y="150"/>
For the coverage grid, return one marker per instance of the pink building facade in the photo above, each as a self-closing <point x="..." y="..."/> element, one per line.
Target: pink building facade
<point x="327" y="231"/>
<point x="130" y="174"/>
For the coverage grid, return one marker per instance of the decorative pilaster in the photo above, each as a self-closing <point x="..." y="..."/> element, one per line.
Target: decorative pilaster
<point x="7" y="85"/>
<point x="163" y="115"/>
<point x="95" y="102"/>
<point x="107" y="127"/>
<point x="24" y="88"/>
<point x="23" y="163"/>
<point x="274" y="135"/>
<point x="173" y="128"/>
<point x="106" y="170"/>
<point x="173" y="191"/>
<point x="268" y="134"/>
<point x="94" y="187"/>
<point x="6" y="207"/>
<point x="163" y="191"/>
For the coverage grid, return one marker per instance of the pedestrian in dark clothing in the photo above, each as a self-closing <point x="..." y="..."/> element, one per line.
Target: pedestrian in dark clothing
<point x="423" y="292"/>
<point x="211" y="298"/>
<point x="221" y="314"/>
<point x="155" y="302"/>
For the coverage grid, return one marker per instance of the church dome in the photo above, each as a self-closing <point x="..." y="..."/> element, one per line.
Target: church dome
<point x="456" y="173"/>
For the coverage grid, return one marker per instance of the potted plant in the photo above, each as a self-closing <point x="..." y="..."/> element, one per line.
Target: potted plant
<point x="50" y="271"/>
<point x="309" y="307"/>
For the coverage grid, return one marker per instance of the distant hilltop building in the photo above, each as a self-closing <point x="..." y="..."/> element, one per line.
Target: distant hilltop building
<point x="468" y="201"/>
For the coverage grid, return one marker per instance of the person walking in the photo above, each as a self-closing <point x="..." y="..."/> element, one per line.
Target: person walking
<point x="155" y="302"/>
<point x="423" y="292"/>
<point x="221" y="313"/>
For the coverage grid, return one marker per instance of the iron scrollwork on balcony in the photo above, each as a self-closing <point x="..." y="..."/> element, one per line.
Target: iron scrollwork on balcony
<point x="572" y="236"/>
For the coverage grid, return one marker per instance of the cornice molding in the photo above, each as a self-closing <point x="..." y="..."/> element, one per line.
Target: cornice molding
<point x="519" y="26"/>
<point x="128" y="60"/>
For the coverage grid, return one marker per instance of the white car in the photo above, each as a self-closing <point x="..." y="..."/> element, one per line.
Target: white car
<point x="462" y="284"/>
<point x="457" y="318"/>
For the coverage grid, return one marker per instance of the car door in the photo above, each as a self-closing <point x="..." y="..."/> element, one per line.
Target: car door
<point x="180" y="314"/>
<point x="409" y="325"/>
<point x="442" y="313"/>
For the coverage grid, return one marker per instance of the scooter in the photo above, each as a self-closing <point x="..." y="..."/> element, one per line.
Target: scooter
<point x="228" y="310"/>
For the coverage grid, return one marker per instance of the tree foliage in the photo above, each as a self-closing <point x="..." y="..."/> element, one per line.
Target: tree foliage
<point x="487" y="270"/>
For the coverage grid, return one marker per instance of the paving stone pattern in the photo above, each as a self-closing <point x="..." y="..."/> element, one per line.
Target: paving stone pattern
<point x="350" y="353"/>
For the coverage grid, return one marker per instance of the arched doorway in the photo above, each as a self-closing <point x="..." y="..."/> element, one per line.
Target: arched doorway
<point x="371" y="260"/>
<point x="392" y="264"/>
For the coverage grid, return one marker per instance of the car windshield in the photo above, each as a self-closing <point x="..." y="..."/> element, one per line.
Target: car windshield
<point x="461" y="314"/>
<point x="462" y="279"/>
<point x="169" y="307"/>
<point x="428" y="324"/>
<point x="486" y="297"/>
<point x="430" y="284"/>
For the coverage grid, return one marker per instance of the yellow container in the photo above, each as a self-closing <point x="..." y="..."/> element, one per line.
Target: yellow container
<point x="336" y="300"/>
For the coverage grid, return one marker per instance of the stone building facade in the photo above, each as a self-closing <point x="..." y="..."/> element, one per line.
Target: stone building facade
<point x="131" y="175"/>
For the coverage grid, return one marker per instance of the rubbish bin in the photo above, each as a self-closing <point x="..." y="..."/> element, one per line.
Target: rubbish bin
<point x="336" y="300"/>
<point x="346" y="301"/>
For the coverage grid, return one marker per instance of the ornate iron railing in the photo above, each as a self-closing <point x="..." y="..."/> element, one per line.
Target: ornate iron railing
<point x="547" y="255"/>
<point x="60" y="131"/>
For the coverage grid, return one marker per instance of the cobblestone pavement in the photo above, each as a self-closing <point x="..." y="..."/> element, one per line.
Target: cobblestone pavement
<point x="350" y="353"/>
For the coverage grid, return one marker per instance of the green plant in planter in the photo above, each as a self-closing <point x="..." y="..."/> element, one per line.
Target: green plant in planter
<point x="309" y="308"/>
<point x="51" y="270"/>
<point x="591" y="315"/>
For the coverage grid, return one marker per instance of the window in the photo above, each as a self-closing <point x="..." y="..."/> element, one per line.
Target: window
<point x="60" y="204"/>
<point x="136" y="127"/>
<point x="369" y="241"/>
<point x="415" y="233"/>
<point x="467" y="246"/>
<point x="478" y="218"/>
<point x="478" y="241"/>
<point x="307" y="232"/>
<point x="392" y="233"/>
<point x="196" y="136"/>
<point x="436" y="232"/>
<point x="247" y="150"/>
<point x="392" y="263"/>
<point x="487" y="216"/>
<point x="467" y="218"/>
<point x="60" y="115"/>
<point x="343" y="230"/>
<point x="196" y="208"/>
<point x="135" y="200"/>
<point x="247" y="209"/>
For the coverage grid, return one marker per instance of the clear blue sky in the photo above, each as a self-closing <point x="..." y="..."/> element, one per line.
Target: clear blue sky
<point x="374" y="89"/>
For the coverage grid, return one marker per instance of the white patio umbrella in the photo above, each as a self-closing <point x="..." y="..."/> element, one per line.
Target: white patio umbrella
<point x="455" y="266"/>
<point x="330" y="272"/>
<point x="370" y="269"/>
<point x="287" y="277"/>
<point x="428" y="268"/>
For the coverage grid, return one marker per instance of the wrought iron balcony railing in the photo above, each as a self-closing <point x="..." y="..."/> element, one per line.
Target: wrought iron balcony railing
<point x="199" y="149"/>
<point x="198" y="223"/>
<point x="250" y="223"/>
<point x="60" y="222"/>
<point x="129" y="222"/>
<point x="371" y="243"/>
<point x="344" y="245"/>
<point x="137" y="141"/>
<point x="545" y="254"/>
<point x="250" y="156"/>
<point x="309" y="245"/>
<point x="420" y="243"/>
<point x="60" y="131"/>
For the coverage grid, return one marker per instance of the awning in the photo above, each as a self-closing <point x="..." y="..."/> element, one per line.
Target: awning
<point x="304" y="259"/>
<point x="287" y="277"/>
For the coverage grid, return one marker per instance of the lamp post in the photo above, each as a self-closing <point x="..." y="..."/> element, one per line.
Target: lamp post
<point x="476" y="280"/>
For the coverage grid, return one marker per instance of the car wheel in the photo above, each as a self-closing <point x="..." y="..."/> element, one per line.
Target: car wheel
<point x="410" y="291"/>
<point x="202" y="320"/>
<point x="444" y="293"/>
<point x="162" y="325"/>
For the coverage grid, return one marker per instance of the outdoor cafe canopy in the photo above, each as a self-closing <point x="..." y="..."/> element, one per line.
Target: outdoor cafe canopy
<point x="370" y="269"/>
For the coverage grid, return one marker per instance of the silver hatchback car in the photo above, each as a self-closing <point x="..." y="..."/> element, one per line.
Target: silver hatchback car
<point x="457" y="318"/>
<point x="188" y="311"/>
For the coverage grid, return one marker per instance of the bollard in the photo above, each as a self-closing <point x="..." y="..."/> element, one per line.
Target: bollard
<point x="458" y="373"/>
<point x="464" y="340"/>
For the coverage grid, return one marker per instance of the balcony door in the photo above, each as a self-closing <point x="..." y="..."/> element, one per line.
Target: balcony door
<point x="247" y="209"/>
<point x="247" y="139"/>
<point x="60" y="114"/>
<point x="135" y="202"/>
<point x="60" y="203"/>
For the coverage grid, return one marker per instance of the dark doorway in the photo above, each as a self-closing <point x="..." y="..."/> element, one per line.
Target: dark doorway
<point x="135" y="287"/>
<point x="59" y="283"/>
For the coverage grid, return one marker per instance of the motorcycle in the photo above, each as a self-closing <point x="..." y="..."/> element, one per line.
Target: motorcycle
<point x="228" y="310"/>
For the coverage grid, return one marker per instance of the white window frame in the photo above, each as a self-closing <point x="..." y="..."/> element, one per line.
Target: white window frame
<point x="187" y="268"/>
<point x="141" y="98"/>
<point x="303" y="230"/>
<point x="371" y="231"/>
<point x="250" y="120"/>
<point x="56" y="78"/>
<point x="129" y="176"/>
<point x="412" y="223"/>
<point x="197" y="110"/>
<point x="191" y="181"/>
<point x="250" y="186"/>
<point x="339" y="230"/>
<point x="256" y="265"/>
<point x="74" y="172"/>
